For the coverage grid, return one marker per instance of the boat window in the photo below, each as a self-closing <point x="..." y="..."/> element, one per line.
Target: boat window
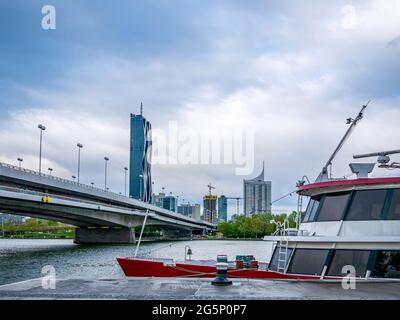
<point x="367" y="205"/>
<point x="314" y="210"/>
<point x="355" y="258"/>
<point x="333" y="206"/>
<point x="311" y="209"/>
<point x="273" y="264"/>
<point x="387" y="265"/>
<point x="308" y="210"/>
<point x="394" y="209"/>
<point x="308" y="261"/>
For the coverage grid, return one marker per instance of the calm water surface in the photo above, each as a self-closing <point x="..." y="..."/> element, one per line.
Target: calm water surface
<point x="24" y="259"/>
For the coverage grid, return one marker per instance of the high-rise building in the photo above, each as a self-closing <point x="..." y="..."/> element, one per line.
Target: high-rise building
<point x="210" y="208"/>
<point x="185" y="209"/>
<point x="257" y="195"/>
<point x="169" y="203"/>
<point x="195" y="212"/>
<point x="157" y="199"/>
<point x="222" y="208"/>
<point x="192" y="211"/>
<point x="140" y="158"/>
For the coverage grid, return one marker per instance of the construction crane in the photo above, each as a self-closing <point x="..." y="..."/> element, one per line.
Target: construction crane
<point x="237" y="199"/>
<point x="210" y="187"/>
<point x="323" y="176"/>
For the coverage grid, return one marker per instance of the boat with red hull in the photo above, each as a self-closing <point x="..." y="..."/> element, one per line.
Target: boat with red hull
<point x="165" y="268"/>
<point x="349" y="230"/>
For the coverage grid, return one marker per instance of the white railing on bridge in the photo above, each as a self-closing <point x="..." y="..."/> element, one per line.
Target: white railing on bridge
<point x="55" y="178"/>
<point x="91" y="189"/>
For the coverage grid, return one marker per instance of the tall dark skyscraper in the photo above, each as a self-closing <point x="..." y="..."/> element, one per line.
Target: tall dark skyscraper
<point x="140" y="158"/>
<point x="223" y="208"/>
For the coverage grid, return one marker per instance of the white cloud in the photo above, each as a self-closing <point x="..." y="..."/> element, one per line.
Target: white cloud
<point x="291" y="78"/>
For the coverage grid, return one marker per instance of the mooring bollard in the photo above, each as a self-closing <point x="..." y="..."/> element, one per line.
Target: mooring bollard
<point x="222" y="275"/>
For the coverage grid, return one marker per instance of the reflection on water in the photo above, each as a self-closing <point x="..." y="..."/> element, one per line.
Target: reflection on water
<point x="24" y="259"/>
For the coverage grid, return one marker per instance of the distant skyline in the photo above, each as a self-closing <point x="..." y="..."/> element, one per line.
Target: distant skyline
<point x="292" y="72"/>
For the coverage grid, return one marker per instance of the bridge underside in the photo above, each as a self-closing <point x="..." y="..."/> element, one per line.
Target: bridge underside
<point x="94" y="225"/>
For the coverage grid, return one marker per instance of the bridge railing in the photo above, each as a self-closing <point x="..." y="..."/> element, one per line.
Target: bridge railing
<point x="89" y="188"/>
<point x="55" y="178"/>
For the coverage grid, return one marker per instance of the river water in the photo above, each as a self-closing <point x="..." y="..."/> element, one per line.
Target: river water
<point x="24" y="259"/>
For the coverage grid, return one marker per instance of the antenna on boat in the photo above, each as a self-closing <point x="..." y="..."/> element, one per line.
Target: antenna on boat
<point x="323" y="176"/>
<point x="383" y="158"/>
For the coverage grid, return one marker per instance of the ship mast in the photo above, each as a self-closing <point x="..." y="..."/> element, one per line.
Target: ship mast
<point x="323" y="176"/>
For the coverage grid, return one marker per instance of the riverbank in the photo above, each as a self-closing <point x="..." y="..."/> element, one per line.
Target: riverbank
<point x="196" y="289"/>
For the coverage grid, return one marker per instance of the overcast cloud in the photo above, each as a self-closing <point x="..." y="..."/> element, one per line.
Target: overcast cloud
<point x="290" y="72"/>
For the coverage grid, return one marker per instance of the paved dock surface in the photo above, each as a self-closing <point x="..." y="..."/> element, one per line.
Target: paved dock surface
<point x="194" y="289"/>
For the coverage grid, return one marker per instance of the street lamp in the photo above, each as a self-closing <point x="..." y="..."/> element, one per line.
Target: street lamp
<point x="126" y="172"/>
<point x="73" y="178"/>
<point x="105" y="172"/>
<point x="141" y="179"/>
<point x="80" y="146"/>
<point x="42" y="128"/>
<point x="20" y="162"/>
<point x="50" y="170"/>
<point x="92" y="183"/>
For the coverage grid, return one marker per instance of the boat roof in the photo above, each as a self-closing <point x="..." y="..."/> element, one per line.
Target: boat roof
<point x="317" y="188"/>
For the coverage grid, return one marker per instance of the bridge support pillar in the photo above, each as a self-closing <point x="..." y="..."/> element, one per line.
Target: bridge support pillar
<point x="104" y="235"/>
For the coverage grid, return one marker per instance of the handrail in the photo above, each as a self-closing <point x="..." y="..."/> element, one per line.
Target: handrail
<point x="57" y="178"/>
<point x="117" y="197"/>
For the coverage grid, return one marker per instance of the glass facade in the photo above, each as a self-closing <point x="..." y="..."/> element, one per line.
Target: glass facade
<point x="140" y="157"/>
<point x="387" y="264"/>
<point x="381" y="263"/>
<point x="356" y="258"/>
<point x="308" y="261"/>
<point x="394" y="209"/>
<point x="354" y="206"/>
<point x="169" y="203"/>
<point x="312" y="209"/>
<point x="366" y="205"/>
<point x="222" y="208"/>
<point x="332" y="208"/>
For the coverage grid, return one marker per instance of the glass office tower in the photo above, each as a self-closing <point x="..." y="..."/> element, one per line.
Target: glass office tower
<point x="140" y="159"/>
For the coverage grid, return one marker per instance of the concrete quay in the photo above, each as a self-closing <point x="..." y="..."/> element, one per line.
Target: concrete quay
<point x="196" y="289"/>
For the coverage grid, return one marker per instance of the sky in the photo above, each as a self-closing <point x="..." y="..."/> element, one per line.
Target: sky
<point x="288" y="73"/>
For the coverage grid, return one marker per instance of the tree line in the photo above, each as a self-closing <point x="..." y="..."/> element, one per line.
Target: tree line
<point x="253" y="226"/>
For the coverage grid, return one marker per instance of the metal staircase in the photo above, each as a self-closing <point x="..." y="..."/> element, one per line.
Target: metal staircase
<point x="283" y="248"/>
<point x="283" y="255"/>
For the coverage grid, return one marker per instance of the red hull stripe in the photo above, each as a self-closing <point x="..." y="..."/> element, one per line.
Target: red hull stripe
<point x="149" y="268"/>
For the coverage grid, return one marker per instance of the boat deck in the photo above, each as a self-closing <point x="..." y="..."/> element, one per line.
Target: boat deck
<point x="196" y="289"/>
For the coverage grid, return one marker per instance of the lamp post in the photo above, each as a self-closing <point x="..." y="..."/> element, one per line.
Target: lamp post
<point x="73" y="178"/>
<point x="92" y="183"/>
<point x="50" y="170"/>
<point x="80" y="146"/>
<point x="126" y="173"/>
<point x="105" y="173"/>
<point x="20" y="162"/>
<point x="42" y="128"/>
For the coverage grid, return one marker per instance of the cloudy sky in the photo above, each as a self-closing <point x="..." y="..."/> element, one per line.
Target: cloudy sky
<point x="289" y="71"/>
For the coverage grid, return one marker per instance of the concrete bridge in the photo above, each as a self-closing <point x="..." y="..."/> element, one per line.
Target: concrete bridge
<point x="101" y="216"/>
